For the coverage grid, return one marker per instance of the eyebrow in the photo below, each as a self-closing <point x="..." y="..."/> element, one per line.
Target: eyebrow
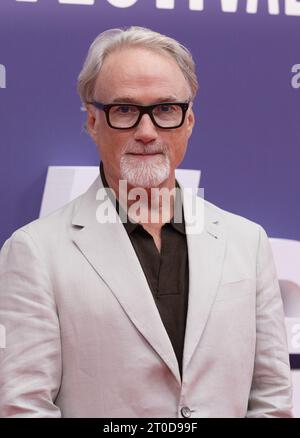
<point x="126" y="99"/>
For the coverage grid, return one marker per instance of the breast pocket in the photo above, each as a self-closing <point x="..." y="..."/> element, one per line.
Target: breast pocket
<point x="236" y="289"/>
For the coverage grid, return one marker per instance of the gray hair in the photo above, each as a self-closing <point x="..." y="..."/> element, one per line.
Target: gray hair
<point x="134" y="36"/>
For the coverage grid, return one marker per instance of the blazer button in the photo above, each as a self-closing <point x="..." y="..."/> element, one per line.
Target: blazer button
<point x="186" y="412"/>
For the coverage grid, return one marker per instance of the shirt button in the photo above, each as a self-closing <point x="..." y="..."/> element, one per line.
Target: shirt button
<point x="185" y="412"/>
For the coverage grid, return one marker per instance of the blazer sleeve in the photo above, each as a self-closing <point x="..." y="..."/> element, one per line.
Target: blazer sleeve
<point x="271" y="393"/>
<point x="30" y="365"/>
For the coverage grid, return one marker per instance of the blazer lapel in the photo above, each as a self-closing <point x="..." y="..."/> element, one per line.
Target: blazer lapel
<point x="108" y="249"/>
<point x="206" y="251"/>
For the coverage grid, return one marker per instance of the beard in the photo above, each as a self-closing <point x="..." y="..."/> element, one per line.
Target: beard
<point x="147" y="172"/>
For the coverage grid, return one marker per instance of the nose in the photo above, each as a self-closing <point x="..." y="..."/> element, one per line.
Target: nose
<point x="145" y="131"/>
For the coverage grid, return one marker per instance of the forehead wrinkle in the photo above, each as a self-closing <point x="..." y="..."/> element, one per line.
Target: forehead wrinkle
<point x="137" y="82"/>
<point x="144" y="95"/>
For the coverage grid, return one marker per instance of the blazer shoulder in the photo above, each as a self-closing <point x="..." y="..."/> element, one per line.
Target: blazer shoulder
<point x="50" y="228"/>
<point x="233" y="223"/>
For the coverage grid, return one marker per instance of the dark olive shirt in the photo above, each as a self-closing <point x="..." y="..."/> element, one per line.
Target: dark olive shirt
<point x="166" y="271"/>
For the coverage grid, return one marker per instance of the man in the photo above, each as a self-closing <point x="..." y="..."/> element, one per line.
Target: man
<point x="141" y="317"/>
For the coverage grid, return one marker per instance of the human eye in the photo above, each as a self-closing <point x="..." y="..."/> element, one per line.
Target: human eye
<point x="120" y="109"/>
<point x="166" y="108"/>
<point x="124" y="109"/>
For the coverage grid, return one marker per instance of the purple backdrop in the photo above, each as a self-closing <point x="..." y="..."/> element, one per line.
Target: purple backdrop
<point x="246" y="140"/>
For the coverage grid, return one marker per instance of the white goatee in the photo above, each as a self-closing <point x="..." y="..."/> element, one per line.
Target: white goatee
<point x="146" y="173"/>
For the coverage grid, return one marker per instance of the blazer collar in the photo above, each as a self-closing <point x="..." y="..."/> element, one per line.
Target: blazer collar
<point x="206" y="251"/>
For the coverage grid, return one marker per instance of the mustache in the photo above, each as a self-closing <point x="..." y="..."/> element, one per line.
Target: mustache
<point x="151" y="148"/>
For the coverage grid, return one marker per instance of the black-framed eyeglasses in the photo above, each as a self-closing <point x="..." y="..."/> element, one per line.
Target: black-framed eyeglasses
<point x="165" y="115"/>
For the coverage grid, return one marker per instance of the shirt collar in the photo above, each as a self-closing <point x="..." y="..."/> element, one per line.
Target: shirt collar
<point x="130" y="225"/>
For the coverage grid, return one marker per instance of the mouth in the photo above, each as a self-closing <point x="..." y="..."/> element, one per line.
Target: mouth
<point x="144" y="154"/>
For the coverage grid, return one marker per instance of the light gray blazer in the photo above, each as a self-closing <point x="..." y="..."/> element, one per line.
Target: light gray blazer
<point x="85" y="339"/>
